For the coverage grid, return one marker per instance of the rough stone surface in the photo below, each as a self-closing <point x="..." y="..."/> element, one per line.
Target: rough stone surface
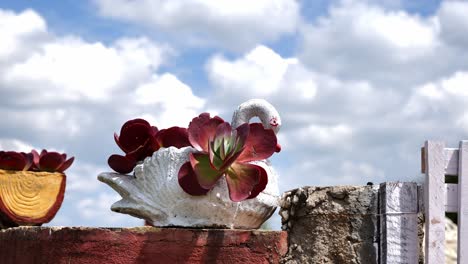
<point x="331" y="224"/>
<point x="139" y="245"/>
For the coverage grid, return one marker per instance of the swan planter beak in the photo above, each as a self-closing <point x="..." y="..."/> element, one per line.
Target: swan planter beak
<point x="153" y="192"/>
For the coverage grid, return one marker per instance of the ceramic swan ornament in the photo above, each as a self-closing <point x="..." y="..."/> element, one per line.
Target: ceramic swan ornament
<point x="154" y="193"/>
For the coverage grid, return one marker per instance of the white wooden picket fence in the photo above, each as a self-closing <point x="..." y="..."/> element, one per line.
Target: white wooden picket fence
<point x="401" y="202"/>
<point x="441" y="197"/>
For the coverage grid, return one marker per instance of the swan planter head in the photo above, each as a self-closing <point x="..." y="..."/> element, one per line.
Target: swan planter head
<point x="213" y="174"/>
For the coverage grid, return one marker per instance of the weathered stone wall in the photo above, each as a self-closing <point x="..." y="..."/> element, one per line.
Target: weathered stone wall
<point x="331" y="224"/>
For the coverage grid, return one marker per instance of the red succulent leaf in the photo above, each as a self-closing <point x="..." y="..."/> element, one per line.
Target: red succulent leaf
<point x="10" y="160"/>
<point x="132" y="122"/>
<point x="43" y="152"/>
<point x="50" y="161"/>
<point x="145" y="150"/>
<point x="188" y="180"/>
<point x="173" y="137"/>
<point x="202" y="129"/>
<point x="278" y="147"/>
<point x="154" y="130"/>
<point x="260" y="144"/>
<point x="121" y="164"/>
<point x="223" y="130"/>
<point x="36" y="156"/>
<point x="241" y="180"/>
<point x="243" y="132"/>
<point x="66" y="164"/>
<point x="207" y="176"/>
<point x="261" y="185"/>
<point x="134" y="136"/>
<point x="29" y="158"/>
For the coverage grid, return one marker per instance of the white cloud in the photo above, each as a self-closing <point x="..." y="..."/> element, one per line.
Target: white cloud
<point x="168" y="91"/>
<point x="11" y="144"/>
<point x="56" y="89"/>
<point x="454" y="22"/>
<point x="172" y="102"/>
<point x="227" y="23"/>
<point x="339" y="135"/>
<point x="96" y="211"/>
<point x="361" y="171"/>
<point x="329" y="171"/>
<point x="82" y="177"/>
<point x="362" y="41"/>
<point x="64" y="92"/>
<point x="72" y="69"/>
<point x="378" y="93"/>
<point x="262" y="73"/>
<point x="367" y="87"/>
<point x="456" y="85"/>
<point x="16" y="30"/>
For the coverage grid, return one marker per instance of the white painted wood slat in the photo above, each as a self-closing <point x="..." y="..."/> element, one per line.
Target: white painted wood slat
<point x="399" y="222"/>
<point x="451" y="197"/>
<point x="462" y="255"/>
<point x="434" y="202"/>
<point x="451" y="161"/>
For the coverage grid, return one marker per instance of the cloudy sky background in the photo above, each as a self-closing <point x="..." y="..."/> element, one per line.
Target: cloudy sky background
<point x="359" y="84"/>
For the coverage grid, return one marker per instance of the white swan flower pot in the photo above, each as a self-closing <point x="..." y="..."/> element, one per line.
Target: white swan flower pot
<point x="153" y="193"/>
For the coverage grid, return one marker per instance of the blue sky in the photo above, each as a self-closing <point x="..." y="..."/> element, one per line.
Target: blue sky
<point x="359" y="84"/>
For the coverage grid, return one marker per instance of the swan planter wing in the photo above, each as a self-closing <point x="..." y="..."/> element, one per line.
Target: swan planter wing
<point x="174" y="186"/>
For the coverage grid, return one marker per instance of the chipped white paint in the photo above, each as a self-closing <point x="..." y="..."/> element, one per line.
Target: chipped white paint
<point x="399" y="222"/>
<point x="441" y="161"/>
<point x="434" y="199"/>
<point x="154" y="194"/>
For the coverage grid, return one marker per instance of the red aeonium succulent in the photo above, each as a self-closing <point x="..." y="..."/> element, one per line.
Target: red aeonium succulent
<point x="227" y="151"/>
<point x="50" y="161"/>
<point x="46" y="161"/>
<point x="138" y="139"/>
<point x="11" y="160"/>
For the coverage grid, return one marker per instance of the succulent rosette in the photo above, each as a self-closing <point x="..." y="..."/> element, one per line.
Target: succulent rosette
<point x="138" y="140"/>
<point x="224" y="151"/>
<point x="11" y="160"/>
<point x="50" y="161"/>
<point x="46" y="161"/>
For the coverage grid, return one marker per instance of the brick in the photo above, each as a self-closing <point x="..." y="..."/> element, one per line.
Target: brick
<point x="140" y="245"/>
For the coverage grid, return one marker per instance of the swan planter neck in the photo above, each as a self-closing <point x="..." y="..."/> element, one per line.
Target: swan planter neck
<point x="214" y="175"/>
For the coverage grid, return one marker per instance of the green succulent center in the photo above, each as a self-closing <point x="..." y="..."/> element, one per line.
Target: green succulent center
<point x="224" y="147"/>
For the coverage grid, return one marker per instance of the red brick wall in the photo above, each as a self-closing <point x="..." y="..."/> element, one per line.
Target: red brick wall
<point x="139" y="245"/>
